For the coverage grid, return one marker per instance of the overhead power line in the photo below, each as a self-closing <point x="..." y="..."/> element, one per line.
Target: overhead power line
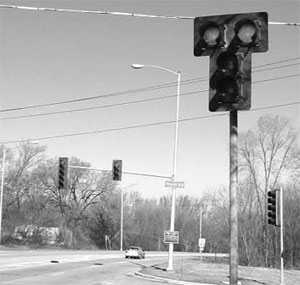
<point x="129" y="102"/>
<point x="146" y="125"/>
<point x="126" y="92"/>
<point x="44" y="9"/>
<point x="61" y="10"/>
<point x="133" y="91"/>
<point x="102" y="106"/>
<point x="277" y="62"/>
<point x="118" y="93"/>
<point x="276" y="67"/>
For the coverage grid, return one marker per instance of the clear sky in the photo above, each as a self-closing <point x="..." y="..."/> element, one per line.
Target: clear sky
<point x="49" y="57"/>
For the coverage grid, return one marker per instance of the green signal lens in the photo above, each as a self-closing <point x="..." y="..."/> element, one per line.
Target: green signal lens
<point x="211" y="35"/>
<point x="227" y="87"/>
<point x="228" y="61"/>
<point x="246" y="32"/>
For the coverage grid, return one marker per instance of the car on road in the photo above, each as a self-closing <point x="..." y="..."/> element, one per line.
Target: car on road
<point x="134" y="252"/>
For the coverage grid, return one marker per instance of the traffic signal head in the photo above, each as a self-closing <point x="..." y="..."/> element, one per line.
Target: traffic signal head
<point x="229" y="40"/>
<point x="117" y="170"/>
<point x="272" y="207"/>
<point x="236" y="32"/>
<point x="251" y="32"/>
<point x="62" y="173"/>
<point x="209" y="36"/>
<point x="225" y="84"/>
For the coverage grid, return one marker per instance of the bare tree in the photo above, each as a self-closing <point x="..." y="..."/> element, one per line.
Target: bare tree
<point x="216" y="220"/>
<point x="20" y="162"/>
<point x="250" y="225"/>
<point x="265" y="152"/>
<point x="85" y="189"/>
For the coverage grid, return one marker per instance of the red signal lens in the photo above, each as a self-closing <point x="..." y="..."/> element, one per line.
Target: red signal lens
<point x="211" y="35"/>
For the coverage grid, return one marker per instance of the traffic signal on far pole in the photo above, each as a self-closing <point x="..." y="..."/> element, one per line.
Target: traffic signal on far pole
<point x="229" y="40"/>
<point x="117" y="170"/>
<point x="62" y="173"/>
<point x="272" y="207"/>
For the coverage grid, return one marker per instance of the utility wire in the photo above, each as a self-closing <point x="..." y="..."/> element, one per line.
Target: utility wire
<point x="276" y="67"/>
<point x="130" y="102"/>
<point x="101" y="106"/>
<point x="133" y="91"/>
<point x="145" y="125"/>
<point x="277" y="78"/>
<point x="276" y="62"/>
<point x="127" y="92"/>
<point x="44" y="9"/>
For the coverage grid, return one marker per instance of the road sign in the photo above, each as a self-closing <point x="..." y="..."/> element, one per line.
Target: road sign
<point x="171" y="237"/>
<point x="202" y="243"/>
<point x="174" y="184"/>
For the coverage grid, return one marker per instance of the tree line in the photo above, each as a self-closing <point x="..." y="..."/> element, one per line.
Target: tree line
<point x="88" y="212"/>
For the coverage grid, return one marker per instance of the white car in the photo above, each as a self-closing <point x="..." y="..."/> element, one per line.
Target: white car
<point x="134" y="252"/>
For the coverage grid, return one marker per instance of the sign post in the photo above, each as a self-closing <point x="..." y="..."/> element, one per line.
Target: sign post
<point x="201" y="246"/>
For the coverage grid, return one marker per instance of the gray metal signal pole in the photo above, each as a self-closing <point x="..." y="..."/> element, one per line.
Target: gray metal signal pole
<point x="281" y="236"/>
<point x="200" y="230"/>
<point x="233" y="186"/>
<point x="2" y="187"/>
<point x="122" y="218"/>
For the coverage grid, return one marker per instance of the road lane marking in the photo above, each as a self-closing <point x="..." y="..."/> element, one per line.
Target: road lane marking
<point x="58" y="273"/>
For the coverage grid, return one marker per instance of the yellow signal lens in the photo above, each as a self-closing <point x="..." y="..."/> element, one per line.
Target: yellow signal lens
<point x="228" y="61"/>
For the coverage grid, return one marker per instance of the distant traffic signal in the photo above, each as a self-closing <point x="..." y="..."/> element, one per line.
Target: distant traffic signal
<point x="229" y="40"/>
<point x="62" y="173"/>
<point x="117" y="170"/>
<point x="272" y="207"/>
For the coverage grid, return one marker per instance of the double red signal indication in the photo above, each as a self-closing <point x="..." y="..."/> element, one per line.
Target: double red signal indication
<point x="229" y="40"/>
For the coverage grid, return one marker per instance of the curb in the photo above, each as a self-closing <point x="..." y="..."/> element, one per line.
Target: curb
<point x="169" y="281"/>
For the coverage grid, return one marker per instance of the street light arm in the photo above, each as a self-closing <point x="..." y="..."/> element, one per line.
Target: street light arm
<point x="139" y="66"/>
<point x="162" y="68"/>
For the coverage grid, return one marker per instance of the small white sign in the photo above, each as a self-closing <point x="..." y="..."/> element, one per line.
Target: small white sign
<point x="202" y="243"/>
<point x="174" y="184"/>
<point x="171" y="237"/>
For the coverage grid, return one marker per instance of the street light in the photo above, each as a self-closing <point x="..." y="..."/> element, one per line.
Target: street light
<point x="172" y="222"/>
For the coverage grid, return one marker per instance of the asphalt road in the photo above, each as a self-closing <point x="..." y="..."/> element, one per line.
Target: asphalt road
<point x="45" y="267"/>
